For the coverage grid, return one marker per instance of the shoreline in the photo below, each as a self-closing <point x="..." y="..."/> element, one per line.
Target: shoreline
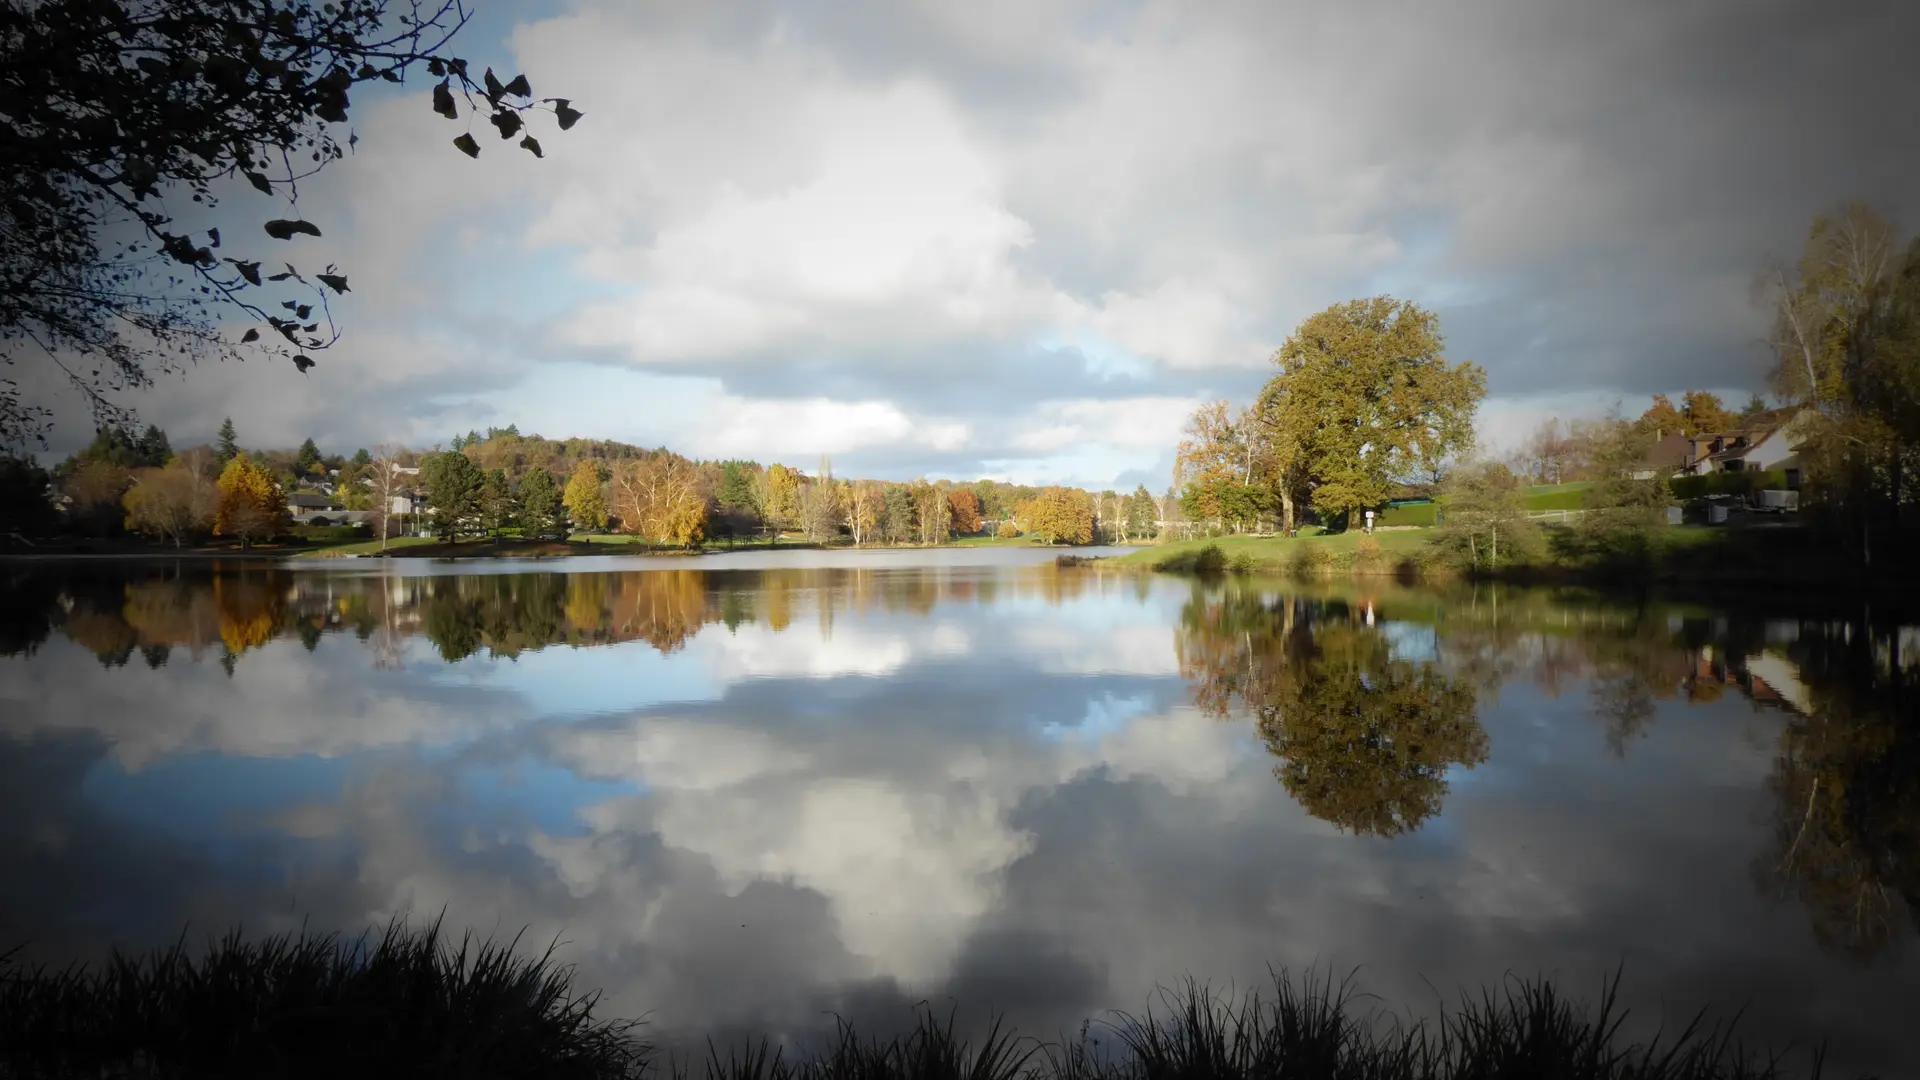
<point x="476" y="550"/>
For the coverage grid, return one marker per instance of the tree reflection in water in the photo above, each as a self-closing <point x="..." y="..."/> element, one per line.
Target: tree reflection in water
<point x="1365" y="738"/>
<point x="115" y="613"/>
<point x="1367" y="701"/>
<point x="1846" y="787"/>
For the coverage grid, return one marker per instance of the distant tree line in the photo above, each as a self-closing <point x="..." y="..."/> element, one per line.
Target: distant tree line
<point x="501" y="484"/>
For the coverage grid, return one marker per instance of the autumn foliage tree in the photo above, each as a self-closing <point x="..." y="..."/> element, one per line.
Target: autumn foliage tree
<point x="1058" y="515"/>
<point x="964" y="511"/>
<point x="780" y="497"/>
<point x="932" y="512"/>
<point x="583" y="499"/>
<point x="660" y="499"/>
<point x="1846" y="338"/>
<point x="251" y="505"/>
<point x="863" y="502"/>
<point x="1365" y="396"/>
<point x="1222" y="467"/>
<point x="94" y="491"/>
<point x="171" y="504"/>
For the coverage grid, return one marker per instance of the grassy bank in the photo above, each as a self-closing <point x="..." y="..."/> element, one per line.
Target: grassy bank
<point x="1772" y="555"/>
<point x="412" y="1001"/>
<point x="1383" y="552"/>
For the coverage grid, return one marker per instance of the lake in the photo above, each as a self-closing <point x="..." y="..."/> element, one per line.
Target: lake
<point x="747" y="792"/>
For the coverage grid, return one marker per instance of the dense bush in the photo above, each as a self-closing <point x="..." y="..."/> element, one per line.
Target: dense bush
<point x="1207" y="560"/>
<point x="1743" y="484"/>
<point x="317" y="533"/>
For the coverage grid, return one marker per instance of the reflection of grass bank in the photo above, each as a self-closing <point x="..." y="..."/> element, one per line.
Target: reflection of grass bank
<point x="412" y="1002"/>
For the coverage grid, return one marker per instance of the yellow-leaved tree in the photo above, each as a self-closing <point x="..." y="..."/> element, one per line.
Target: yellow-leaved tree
<point x="1058" y="515"/>
<point x="782" y="508"/>
<point x="584" y="503"/>
<point x="251" y="505"/>
<point x="660" y="498"/>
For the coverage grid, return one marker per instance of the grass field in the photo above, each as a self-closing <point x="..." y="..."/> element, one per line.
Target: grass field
<point x="1273" y="553"/>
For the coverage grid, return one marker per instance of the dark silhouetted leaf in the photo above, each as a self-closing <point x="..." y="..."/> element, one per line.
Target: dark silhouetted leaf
<point x="494" y="89"/>
<point x="303" y="362"/>
<point x="507" y="122"/>
<point x="467" y="145"/>
<point x="519" y="88"/>
<point x="533" y="144"/>
<point x="303" y="311"/>
<point x="250" y="335"/>
<point x="214" y="235"/>
<point x="260" y="182"/>
<point x="280" y="277"/>
<point x="435" y="68"/>
<point x="282" y="229"/>
<point x="566" y="114"/>
<point x="335" y="282"/>
<point x="248" y="270"/>
<point x="443" y="101"/>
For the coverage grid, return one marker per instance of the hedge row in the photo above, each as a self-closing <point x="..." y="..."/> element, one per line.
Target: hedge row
<point x="1688" y="488"/>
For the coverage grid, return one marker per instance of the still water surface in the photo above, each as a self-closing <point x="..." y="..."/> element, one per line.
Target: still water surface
<point x="748" y="792"/>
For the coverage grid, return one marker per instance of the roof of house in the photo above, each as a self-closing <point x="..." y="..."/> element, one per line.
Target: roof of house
<point x="308" y="501"/>
<point x="1754" y="428"/>
<point x="1672" y="449"/>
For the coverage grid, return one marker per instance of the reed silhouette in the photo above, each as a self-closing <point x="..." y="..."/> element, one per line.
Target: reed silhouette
<point x="410" y="1000"/>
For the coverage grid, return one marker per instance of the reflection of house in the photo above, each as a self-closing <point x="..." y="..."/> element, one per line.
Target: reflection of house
<point x="1764" y="678"/>
<point x="1768" y="441"/>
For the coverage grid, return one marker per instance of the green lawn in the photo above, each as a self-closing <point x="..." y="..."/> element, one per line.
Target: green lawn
<point x="364" y="547"/>
<point x="992" y="541"/>
<point x="1276" y="552"/>
<point x="1421" y="514"/>
<point x="1564" y="497"/>
<point x="1536" y="499"/>
<point x="1547" y="489"/>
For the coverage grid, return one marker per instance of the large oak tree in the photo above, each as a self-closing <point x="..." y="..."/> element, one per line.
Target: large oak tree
<point x="1365" y="397"/>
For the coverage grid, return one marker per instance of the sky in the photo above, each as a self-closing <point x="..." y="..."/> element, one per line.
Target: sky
<point x="1023" y="239"/>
